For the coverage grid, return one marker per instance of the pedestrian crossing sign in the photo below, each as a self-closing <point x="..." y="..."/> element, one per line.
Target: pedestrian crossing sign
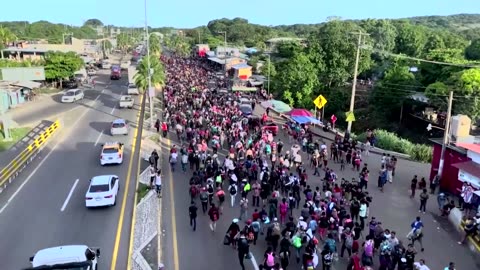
<point x="350" y="117"/>
<point x="320" y="101"/>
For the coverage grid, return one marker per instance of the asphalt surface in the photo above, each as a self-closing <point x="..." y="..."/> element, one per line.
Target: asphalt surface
<point x="185" y="249"/>
<point x="32" y="216"/>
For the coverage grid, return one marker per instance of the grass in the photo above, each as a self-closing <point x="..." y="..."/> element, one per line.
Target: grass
<point x="155" y="138"/>
<point x="142" y="191"/>
<point x="47" y="90"/>
<point x="16" y="133"/>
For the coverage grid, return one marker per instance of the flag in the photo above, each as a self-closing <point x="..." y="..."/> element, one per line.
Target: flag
<point x="320" y="101"/>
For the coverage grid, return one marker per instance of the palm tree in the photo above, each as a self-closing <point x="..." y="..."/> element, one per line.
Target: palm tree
<point x="158" y="76"/>
<point x="154" y="45"/>
<point x="183" y="49"/>
<point x="6" y="36"/>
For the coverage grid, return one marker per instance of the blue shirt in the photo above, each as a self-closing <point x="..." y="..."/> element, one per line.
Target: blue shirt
<point x="417" y="225"/>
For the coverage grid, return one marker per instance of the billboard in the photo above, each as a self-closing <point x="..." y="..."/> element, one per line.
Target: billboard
<point x="23" y="74"/>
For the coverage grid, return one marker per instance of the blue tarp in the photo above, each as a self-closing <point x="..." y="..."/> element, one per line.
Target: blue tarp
<point x="305" y="120"/>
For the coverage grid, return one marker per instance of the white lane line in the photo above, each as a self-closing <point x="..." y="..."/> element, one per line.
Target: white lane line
<point x="103" y="91"/>
<point x="254" y="262"/>
<point x="41" y="163"/>
<point x="98" y="138"/>
<point x="113" y="109"/>
<point x="69" y="195"/>
<point x="97" y="98"/>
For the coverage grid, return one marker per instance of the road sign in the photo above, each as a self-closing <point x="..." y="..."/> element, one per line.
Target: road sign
<point x="320" y="101"/>
<point x="333" y="118"/>
<point x="350" y="117"/>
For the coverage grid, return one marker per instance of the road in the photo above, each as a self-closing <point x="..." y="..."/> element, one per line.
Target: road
<point x="185" y="249"/>
<point x="46" y="205"/>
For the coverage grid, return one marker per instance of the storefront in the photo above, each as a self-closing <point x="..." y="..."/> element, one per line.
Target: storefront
<point x="242" y="71"/>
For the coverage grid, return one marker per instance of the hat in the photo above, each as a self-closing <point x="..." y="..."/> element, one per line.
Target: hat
<point x="235" y="220"/>
<point x="300" y="218"/>
<point x="275" y="219"/>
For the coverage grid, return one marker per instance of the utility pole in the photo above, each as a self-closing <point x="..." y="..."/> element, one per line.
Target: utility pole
<point x="151" y="92"/>
<point x="355" y="74"/>
<point x="446" y="135"/>
<point x="224" y="50"/>
<point x="268" y="83"/>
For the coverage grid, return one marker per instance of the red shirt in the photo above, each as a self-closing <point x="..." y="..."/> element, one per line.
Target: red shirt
<point x="255" y="216"/>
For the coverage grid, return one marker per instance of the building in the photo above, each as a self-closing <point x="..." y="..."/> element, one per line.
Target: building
<point x="229" y="62"/>
<point x="242" y="71"/>
<point x="22" y="74"/>
<point x="13" y="94"/>
<point x="461" y="159"/>
<point x="28" y="51"/>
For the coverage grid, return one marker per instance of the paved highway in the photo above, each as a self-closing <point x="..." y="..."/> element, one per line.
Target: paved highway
<point x="185" y="249"/>
<point x="46" y="205"/>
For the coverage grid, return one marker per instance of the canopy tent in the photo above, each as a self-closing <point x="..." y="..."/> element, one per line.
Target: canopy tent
<point x="300" y="112"/>
<point x="244" y="89"/>
<point x="305" y="120"/>
<point x="276" y="105"/>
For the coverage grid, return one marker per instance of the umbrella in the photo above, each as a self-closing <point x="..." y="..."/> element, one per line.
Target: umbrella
<point x="276" y="105"/>
<point x="300" y="112"/>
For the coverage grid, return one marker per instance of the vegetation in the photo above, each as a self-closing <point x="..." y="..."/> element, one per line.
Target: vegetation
<point x="6" y="36"/>
<point x="178" y="45"/>
<point x="16" y="133"/>
<point x="60" y="66"/>
<point x="142" y="191"/>
<point x="155" y="45"/>
<point x="390" y="141"/>
<point x="158" y="77"/>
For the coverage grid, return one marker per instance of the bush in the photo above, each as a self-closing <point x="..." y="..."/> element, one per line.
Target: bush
<point x="391" y="142"/>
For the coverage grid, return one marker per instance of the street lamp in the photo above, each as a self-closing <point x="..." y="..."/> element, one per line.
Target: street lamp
<point x="268" y="84"/>
<point x="224" y="49"/>
<point x="151" y="93"/>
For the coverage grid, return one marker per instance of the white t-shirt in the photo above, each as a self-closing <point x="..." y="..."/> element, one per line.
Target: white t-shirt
<point x="173" y="157"/>
<point x="158" y="180"/>
<point x="421" y="267"/>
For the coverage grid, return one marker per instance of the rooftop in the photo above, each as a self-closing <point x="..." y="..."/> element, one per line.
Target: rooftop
<point x="284" y="39"/>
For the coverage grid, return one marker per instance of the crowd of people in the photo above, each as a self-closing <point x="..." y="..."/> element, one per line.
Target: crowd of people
<point x="231" y="155"/>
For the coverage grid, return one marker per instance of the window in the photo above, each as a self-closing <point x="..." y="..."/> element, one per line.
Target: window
<point x="112" y="182"/>
<point x="110" y="150"/>
<point x="70" y="93"/>
<point x="99" y="188"/>
<point x="118" y="125"/>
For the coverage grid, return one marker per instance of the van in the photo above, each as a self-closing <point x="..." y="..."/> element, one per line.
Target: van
<point x="79" y="257"/>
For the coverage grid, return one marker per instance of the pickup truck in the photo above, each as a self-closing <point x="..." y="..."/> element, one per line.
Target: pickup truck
<point x="126" y="101"/>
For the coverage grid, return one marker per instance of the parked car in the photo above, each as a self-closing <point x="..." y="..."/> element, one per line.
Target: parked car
<point x="246" y="109"/>
<point x="116" y="73"/>
<point x="126" y="101"/>
<point x="72" y="95"/>
<point x="270" y="126"/>
<point x="106" y="65"/>
<point x="132" y="89"/>
<point x="70" y="84"/>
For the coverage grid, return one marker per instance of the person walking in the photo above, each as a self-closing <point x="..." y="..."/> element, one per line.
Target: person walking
<point x="243" y="208"/>
<point x="204" y="199"/>
<point x="192" y="212"/>
<point x="214" y="214"/>
<point x="413" y="186"/>
<point x="243" y="249"/>
<point x="232" y="190"/>
<point x="158" y="183"/>
<point x="423" y="200"/>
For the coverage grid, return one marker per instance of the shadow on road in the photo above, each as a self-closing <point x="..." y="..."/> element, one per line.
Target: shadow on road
<point x="100" y="126"/>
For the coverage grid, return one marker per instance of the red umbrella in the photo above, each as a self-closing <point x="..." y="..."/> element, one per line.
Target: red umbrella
<point x="300" y="112"/>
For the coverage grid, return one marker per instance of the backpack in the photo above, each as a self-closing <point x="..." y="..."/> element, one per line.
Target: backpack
<point x="233" y="191"/>
<point x="203" y="197"/>
<point x="270" y="261"/>
<point x="210" y="189"/>
<point x="276" y="229"/>
<point x="369" y="248"/>
<point x="221" y="197"/>
<point x="348" y="240"/>
<point x="330" y="245"/>
<point x="215" y="215"/>
<point x="283" y="208"/>
<point x="193" y="191"/>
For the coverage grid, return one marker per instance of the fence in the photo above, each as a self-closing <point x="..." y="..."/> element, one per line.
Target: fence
<point x="26" y="156"/>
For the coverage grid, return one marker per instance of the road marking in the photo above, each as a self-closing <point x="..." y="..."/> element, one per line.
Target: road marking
<point x="134" y="214"/>
<point x="113" y="109"/>
<point x="118" y="236"/>
<point x="174" y="220"/>
<point x="97" y="98"/>
<point x="40" y="164"/>
<point x="98" y="138"/>
<point x="254" y="262"/>
<point x="69" y="195"/>
<point x="103" y="91"/>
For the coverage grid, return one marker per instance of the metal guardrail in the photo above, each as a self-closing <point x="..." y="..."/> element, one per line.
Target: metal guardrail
<point x="12" y="170"/>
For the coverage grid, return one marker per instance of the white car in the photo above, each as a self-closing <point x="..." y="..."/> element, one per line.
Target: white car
<point x="72" y="95"/>
<point x="112" y="153"/>
<point x="102" y="191"/>
<point x="70" y="257"/>
<point x="132" y="89"/>
<point x="119" y="127"/>
<point x="91" y="72"/>
<point x="106" y="65"/>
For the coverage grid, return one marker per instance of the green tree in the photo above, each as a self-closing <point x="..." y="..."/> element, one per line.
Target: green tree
<point x="158" y="77"/>
<point x="124" y="41"/>
<point x="383" y="34"/>
<point x="467" y="83"/>
<point x="339" y="49"/>
<point x="93" y="22"/>
<point x="434" y="42"/>
<point x="106" y="47"/>
<point x="410" y="40"/>
<point x="265" y="69"/>
<point x="288" y="49"/>
<point x="298" y="81"/>
<point x="437" y="94"/>
<point x="6" y="36"/>
<point x="60" y="65"/>
<point x="472" y="52"/>
<point x="154" y="45"/>
<point x="432" y="72"/>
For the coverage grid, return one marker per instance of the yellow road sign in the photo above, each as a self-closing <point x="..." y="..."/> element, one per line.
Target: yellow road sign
<point x="350" y="117"/>
<point x="320" y="101"/>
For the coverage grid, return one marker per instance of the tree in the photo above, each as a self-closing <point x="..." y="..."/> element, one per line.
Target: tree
<point x="6" y="36"/>
<point x="383" y="34"/>
<point x="288" y="49"/>
<point x="158" y="77"/>
<point x="154" y="45"/>
<point x="467" y="85"/>
<point x="434" y="42"/>
<point x="410" y="40"/>
<point x="106" y="47"/>
<point x="472" y="52"/>
<point x="432" y="72"/>
<point x="297" y="81"/>
<point x="437" y="94"/>
<point x="93" y="22"/>
<point x="60" y="65"/>
<point x="265" y="71"/>
<point x="124" y="41"/>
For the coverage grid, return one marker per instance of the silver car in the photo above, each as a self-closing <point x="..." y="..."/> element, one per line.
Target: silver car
<point x="119" y="127"/>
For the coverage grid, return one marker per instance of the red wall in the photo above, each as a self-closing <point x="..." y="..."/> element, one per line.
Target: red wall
<point x="450" y="182"/>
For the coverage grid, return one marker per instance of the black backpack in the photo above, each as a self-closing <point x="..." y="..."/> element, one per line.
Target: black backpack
<point x="233" y="190"/>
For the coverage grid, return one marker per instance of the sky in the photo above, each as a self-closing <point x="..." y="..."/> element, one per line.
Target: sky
<point x="192" y="13"/>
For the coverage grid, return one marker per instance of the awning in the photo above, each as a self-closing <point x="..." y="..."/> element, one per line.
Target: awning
<point x="244" y="89"/>
<point x="27" y="84"/>
<point x="241" y="66"/>
<point x="470" y="146"/>
<point x="469" y="172"/>
<point x="305" y="120"/>
<point x="217" y="60"/>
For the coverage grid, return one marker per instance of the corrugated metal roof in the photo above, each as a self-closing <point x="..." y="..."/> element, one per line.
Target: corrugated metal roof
<point x="27" y="84"/>
<point x="15" y="49"/>
<point x="241" y="65"/>
<point x="217" y="60"/>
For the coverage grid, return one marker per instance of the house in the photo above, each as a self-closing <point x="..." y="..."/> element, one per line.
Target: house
<point x="242" y="71"/>
<point x="13" y="94"/>
<point x="229" y="62"/>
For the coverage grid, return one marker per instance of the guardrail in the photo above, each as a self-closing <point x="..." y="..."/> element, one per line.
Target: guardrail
<point x="26" y="156"/>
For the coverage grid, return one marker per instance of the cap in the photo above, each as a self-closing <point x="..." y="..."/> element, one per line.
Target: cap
<point x="275" y="219"/>
<point x="235" y="220"/>
<point x="300" y="218"/>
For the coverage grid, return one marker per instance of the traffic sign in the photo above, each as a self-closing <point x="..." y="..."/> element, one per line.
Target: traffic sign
<point x="333" y="118"/>
<point x="320" y="101"/>
<point x="350" y="117"/>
